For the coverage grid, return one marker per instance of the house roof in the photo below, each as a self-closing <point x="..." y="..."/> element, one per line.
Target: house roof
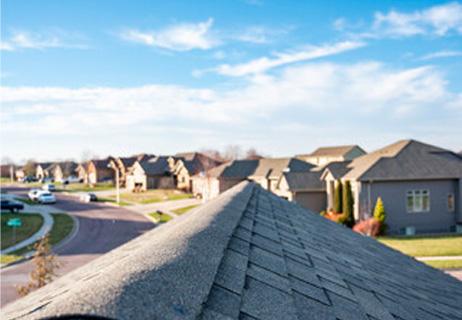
<point x="334" y="151"/>
<point x="271" y="168"/>
<point x="304" y="181"/>
<point x="337" y="169"/>
<point x="196" y="162"/>
<point x="101" y="163"/>
<point x="406" y="160"/>
<point x="156" y="166"/>
<point x="45" y="165"/>
<point x="249" y="254"/>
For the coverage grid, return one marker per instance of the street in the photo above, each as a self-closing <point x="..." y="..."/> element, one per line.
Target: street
<point x="101" y="229"/>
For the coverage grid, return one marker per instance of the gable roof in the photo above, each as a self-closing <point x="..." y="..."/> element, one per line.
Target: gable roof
<point x="337" y="169"/>
<point x="406" y="159"/>
<point x="334" y="151"/>
<point x="249" y="254"/>
<point x="271" y="168"/>
<point x="196" y="162"/>
<point x="101" y="163"/>
<point x="156" y="166"/>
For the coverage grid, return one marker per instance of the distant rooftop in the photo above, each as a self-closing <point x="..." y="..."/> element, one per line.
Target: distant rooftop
<point x="334" y="151"/>
<point x="249" y="254"/>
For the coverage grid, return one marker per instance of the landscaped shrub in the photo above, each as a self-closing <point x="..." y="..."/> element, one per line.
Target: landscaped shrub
<point x="380" y="215"/>
<point x="338" y="195"/>
<point x="369" y="227"/>
<point x="348" y="202"/>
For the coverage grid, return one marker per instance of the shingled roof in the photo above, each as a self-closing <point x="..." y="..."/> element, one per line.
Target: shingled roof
<point x="305" y="181"/>
<point x="156" y="166"/>
<point x="334" y="151"/>
<point x="249" y="254"/>
<point x="406" y="159"/>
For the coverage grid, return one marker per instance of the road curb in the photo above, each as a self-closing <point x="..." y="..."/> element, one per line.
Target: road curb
<point x="71" y="235"/>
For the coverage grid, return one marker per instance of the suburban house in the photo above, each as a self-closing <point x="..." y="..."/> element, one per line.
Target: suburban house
<point x="61" y="170"/>
<point x="7" y="170"/>
<point x="248" y="254"/>
<point x="81" y="171"/>
<point x="42" y="170"/>
<point x="420" y="185"/>
<point x="99" y="171"/>
<point x="325" y="155"/>
<point x="154" y="173"/>
<point x="189" y="164"/>
<point x="266" y="172"/>
<point x="124" y="164"/>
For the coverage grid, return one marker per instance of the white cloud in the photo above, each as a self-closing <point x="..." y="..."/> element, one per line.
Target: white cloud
<point x="260" y="34"/>
<point x="437" y="20"/>
<point x="322" y="100"/>
<point x="263" y="64"/>
<point x="40" y="41"/>
<point x="442" y="54"/>
<point x="179" y="37"/>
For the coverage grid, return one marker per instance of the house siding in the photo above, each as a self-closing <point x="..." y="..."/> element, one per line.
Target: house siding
<point x="393" y="194"/>
<point x="312" y="200"/>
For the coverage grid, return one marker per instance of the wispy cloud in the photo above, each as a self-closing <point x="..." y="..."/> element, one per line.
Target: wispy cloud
<point x="260" y="34"/>
<point x="179" y="37"/>
<point x="438" y="21"/>
<point x="263" y="64"/>
<point x="441" y="54"/>
<point x="39" y="41"/>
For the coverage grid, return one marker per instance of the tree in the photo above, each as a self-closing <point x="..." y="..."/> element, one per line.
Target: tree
<point x="232" y="152"/>
<point x="252" y="154"/>
<point x="338" y="197"/>
<point x="45" y="266"/>
<point x="348" y="202"/>
<point x="380" y="215"/>
<point x="29" y="168"/>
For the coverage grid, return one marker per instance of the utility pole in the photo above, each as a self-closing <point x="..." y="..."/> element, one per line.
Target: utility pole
<point x="11" y="173"/>
<point x="116" y="169"/>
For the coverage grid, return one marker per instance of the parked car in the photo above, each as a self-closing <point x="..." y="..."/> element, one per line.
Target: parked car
<point x="29" y="179"/>
<point x="47" y="180"/>
<point x="88" y="197"/>
<point x="34" y="193"/>
<point x="8" y="205"/>
<point x="71" y="179"/>
<point x="49" y="187"/>
<point x="46" y="198"/>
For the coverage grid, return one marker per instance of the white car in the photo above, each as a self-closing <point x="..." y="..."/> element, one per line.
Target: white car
<point x="46" y="198"/>
<point x="88" y="197"/>
<point x="71" y="179"/>
<point x="34" y="194"/>
<point x="49" y="187"/>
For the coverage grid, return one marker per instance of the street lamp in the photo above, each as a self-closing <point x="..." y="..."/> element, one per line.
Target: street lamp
<point x="113" y="166"/>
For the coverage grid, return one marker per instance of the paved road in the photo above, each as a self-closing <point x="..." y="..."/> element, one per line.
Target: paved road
<point x="101" y="229"/>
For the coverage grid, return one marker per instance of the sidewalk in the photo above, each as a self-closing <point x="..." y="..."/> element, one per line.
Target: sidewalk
<point x="44" y="211"/>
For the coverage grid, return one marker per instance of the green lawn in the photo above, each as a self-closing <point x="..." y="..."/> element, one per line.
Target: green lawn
<point x="180" y="211"/>
<point x="160" y="218"/>
<point x="426" y="246"/>
<point x="62" y="227"/>
<point x="27" y="201"/>
<point x="31" y="223"/>
<point x="151" y="196"/>
<point x="82" y="187"/>
<point x="110" y="200"/>
<point x="445" y="264"/>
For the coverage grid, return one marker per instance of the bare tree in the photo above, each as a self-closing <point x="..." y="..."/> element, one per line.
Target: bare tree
<point x="212" y="153"/>
<point x="29" y="167"/>
<point x="45" y="266"/>
<point x="252" y="154"/>
<point x="7" y="160"/>
<point x="232" y="152"/>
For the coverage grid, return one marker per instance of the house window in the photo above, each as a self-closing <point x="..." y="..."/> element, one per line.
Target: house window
<point x="451" y="203"/>
<point x="418" y="201"/>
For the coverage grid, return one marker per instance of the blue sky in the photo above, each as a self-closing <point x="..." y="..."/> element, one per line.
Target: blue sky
<point x="121" y="77"/>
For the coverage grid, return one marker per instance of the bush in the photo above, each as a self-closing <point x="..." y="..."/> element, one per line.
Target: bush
<point x="338" y="195"/>
<point x="322" y="213"/>
<point x="380" y="215"/>
<point x="369" y="227"/>
<point x="348" y="202"/>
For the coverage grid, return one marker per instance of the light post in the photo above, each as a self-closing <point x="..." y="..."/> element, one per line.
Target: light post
<point x="114" y="166"/>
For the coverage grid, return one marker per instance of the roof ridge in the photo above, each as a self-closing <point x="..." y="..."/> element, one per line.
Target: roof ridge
<point x="152" y="258"/>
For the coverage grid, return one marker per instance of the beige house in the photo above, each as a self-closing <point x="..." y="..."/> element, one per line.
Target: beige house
<point x="81" y="171"/>
<point x="154" y="173"/>
<point x="43" y="170"/>
<point x="125" y="164"/>
<point x="190" y="164"/>
<point x="325" y="155"/>
<point x="266" y="172"/>
<point x="61" y="170"/>
<point x="100" y="171"/>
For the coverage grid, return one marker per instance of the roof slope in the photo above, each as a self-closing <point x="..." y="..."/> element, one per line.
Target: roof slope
<point x="406" y="159"/>
<point x="334" y="151"/>
<point x="271" y="168"/>
<point x="196" y="162"/>
<point x="156" y="166"/>
<point x="305" y="181"/>
<point x="249" y="254"/>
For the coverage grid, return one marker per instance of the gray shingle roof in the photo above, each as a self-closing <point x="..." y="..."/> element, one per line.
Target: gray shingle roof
<point x="305" y="181"/>
<point x="406" y="159"/>
<point x="157" y="166"/>
<point x="271" y="168"/>
<point x="249" y="255"/>
<point x="334" y="151"/>
<point x="196" y="162"/>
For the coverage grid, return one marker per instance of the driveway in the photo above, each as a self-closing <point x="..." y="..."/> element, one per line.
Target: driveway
<point x="101" y="229"/>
